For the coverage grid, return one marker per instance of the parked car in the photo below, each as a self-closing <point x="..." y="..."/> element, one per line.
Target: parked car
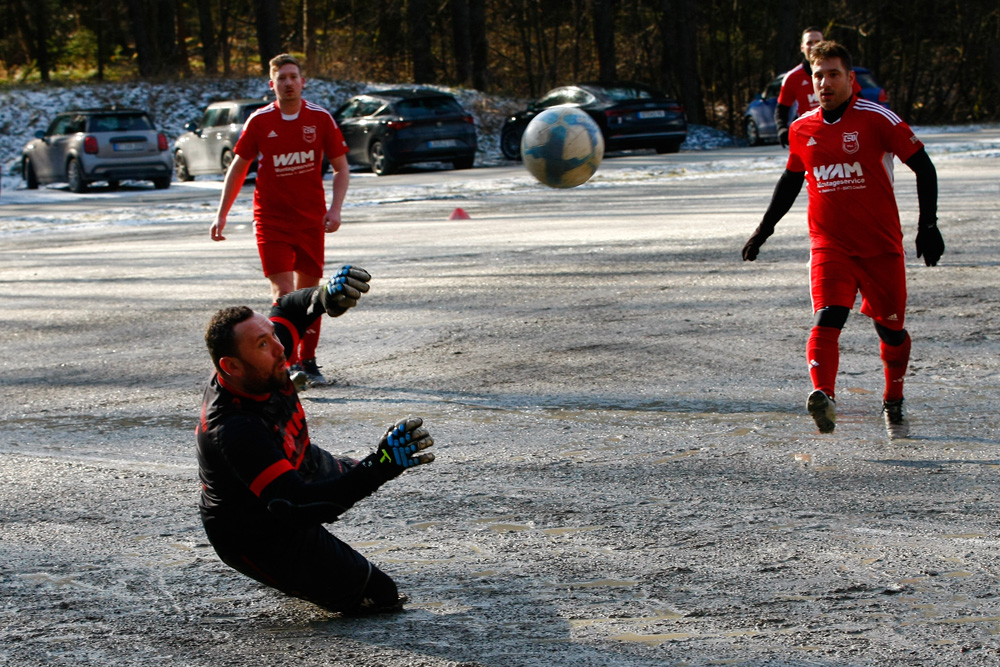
<point x="207" y="145"/>
<point x="88" y="145"/>
<point x="630" y="116"/>
<point x="390" y="128"/>
<point x="758" y="119"/>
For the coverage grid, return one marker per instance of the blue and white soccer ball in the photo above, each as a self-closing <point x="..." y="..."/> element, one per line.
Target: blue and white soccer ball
<point x="562" y="147"/>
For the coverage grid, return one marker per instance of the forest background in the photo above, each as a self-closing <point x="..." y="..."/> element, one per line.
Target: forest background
<point x="938" y="61"/>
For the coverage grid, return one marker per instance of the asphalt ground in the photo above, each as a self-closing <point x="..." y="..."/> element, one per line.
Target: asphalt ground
<point x="625" y="471"/>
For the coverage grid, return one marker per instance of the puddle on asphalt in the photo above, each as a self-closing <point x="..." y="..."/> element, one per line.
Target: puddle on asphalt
<point x="654" y="640"/>
<point x="565" y="531"/>
<point x="660" y="616"/>
<point x="599" y="583"/>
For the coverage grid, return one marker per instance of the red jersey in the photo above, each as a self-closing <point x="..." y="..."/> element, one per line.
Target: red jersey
<point x="848" y="166"/>
<point x="289" y="152"/>
<point x="797" y="87"/>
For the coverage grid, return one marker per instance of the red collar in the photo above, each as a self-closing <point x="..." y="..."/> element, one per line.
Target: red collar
<point x="233" y="390"/>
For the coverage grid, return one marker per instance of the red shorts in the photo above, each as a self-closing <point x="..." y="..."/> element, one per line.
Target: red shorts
<point x="836" y="279"/>
<point x="284" y="250"/>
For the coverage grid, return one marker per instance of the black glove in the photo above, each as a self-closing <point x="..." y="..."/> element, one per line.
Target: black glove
<point x="757" y="239"/>
<point x="397" y="449"/>
<point x="343" y="290"/>
<point x="930" y="245"/>
<point x="783" y="137"/>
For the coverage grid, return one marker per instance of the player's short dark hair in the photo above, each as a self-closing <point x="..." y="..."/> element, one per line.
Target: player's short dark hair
<point x="811" y="28"/>
<point x="281" y="60"/>
<point x="831" y="49"/>
<point x="220" y="336"/>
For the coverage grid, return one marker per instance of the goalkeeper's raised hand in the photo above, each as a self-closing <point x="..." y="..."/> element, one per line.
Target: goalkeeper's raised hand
<point x="400" y="448"/>
<point x="342" y="291"/>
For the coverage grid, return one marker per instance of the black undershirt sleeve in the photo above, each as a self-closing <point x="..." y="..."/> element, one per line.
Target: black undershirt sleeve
<point x="927" y="187"/>
<point x="322" y="500"/>
<point x="781" y="113"/>
<point x="785" y="193"/>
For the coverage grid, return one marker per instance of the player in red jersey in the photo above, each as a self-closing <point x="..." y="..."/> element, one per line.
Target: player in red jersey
<point x="845" y="151"/>
<point x="289" y="139"/>
<point x="797" y="87"/>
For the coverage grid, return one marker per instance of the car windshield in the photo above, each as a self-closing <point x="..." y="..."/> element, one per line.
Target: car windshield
<point x="120" y="123"/>
<point x="622" y="93"/>
<point x="247" y="110"/>
<point x="428" y="106"/>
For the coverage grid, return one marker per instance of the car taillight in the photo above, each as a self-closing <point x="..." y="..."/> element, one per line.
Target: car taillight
<point x="882" y="97"/>
<point x="161" y="142"/>
<point x="398" y="124"/>
<point x="90" y="145"/>
<point x="468" y="119"/>
<point x="614" y="113"/>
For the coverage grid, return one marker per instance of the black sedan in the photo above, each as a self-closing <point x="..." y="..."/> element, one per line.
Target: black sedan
<point x="630" y="116"/>
<point x="390" y="128"/>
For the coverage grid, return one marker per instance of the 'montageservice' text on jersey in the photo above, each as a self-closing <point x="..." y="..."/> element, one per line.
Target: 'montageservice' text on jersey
<point x="290" y="152"/>
<point x="848" y="165"/>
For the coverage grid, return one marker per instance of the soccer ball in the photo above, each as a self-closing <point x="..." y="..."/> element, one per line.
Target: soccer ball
<point x="562" y="147"/>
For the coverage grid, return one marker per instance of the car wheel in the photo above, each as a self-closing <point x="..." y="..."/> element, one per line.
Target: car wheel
<point x="161" y="183"/>
<point x="510" y="143"/>
<point x="464" y="163"/>
<point x="753" y="134"/>
<point x="380" y="162"/>
<point x="113" y="184"/>
<point x="74" y="176"/>
<point x="672" y="147"/>
<point x="227" y="159"/>
<point x="181" y="166"/>
<point x="30" y="177"/>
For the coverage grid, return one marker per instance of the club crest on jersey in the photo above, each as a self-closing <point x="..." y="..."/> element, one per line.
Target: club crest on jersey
<point x="309" y="133"/>
<point x="851" y="144"/>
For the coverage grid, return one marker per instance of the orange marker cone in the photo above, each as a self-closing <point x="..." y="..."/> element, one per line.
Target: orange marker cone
<point x="459" y="214"/>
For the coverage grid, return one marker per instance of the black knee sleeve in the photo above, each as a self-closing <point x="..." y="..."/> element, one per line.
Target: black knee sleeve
<point x="834" y="317"/>
<point x="889" y="336"/>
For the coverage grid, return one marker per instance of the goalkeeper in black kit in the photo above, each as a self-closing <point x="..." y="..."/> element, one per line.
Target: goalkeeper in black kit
<point x="266" y="489"/>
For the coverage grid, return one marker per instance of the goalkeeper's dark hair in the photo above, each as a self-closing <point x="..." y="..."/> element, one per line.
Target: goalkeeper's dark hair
<point x="220" y="336"/>
<point x="831" y="49"/>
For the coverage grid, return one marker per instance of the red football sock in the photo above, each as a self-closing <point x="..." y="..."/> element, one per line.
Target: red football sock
<point x="823" y="357"/>
<point x="895" y="359"/>
<point x="310" y="340"/>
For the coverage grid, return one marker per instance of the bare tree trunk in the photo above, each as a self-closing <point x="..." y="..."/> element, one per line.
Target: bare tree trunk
<point x="420" y="43"/>
<point x="309" y="35"/>
<point x="479" y="44"/>
<point x="183" y="59"/>
<point x="604" y="38"/>
<point x="143" y="48"/>
<point x="461" y="40"/>
<point x="268" y="32"/>
<point x="227" y="55"/>
<point x="206" y="33"/>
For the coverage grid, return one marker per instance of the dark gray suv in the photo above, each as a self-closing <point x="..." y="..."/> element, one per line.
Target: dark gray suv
<point x="88" y="145"/>
<point x="207" y="146"/>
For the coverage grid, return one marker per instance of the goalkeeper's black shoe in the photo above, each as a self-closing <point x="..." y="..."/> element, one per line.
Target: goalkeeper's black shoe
<point x="313" y="373"/>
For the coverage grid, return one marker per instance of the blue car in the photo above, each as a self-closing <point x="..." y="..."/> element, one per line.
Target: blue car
<point x="758" y="120"/>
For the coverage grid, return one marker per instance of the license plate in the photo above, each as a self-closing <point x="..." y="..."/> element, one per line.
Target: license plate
<point x="658" y="113"/>
<point x="442" y="143"/>
<point x="130" y="146"/>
